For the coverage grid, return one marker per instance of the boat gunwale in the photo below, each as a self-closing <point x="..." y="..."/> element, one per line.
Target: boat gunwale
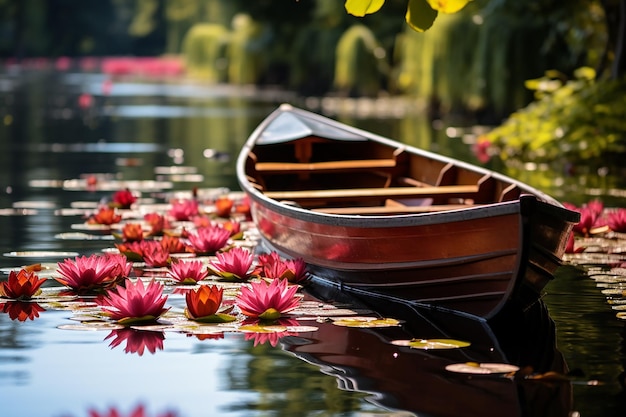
<point x="385" y="221"/>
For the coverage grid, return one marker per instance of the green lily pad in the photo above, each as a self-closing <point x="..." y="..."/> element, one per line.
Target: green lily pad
<point x="127" y="321"/>
<point x="365" y="322"/>
<point x="214" y="318"/>
<point x="428" y="344"/>
<point x="482" y="368"/>
<point x="257" y="328"/>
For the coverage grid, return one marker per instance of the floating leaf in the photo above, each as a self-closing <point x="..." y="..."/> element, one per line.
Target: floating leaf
<point x="127" y="321"/>
<point x="482" y="368"/>
<point x="366" y="322"/>
<point x="91" y="326"/>
<point x="258" y="328"/>
<point x="428" y="344"/>
<point x="213" y="318"/>
<point x="302" y="329"/>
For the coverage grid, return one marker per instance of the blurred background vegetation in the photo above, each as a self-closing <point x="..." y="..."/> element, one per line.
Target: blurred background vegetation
<point x="475" y="63"/>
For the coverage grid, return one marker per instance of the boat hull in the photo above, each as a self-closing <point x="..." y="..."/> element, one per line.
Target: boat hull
<point x="473" y="258"/>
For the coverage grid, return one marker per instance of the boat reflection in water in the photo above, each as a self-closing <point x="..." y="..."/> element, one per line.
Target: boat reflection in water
<point x="416" y="380"/>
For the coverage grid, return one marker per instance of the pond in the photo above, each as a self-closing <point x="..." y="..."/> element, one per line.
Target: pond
<point x="165" y="139"/>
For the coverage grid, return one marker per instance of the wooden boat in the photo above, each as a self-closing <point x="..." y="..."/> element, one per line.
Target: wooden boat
<point x="369" y="213"/>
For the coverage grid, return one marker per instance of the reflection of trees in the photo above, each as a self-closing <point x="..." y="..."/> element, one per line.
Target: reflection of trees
<point x="586" y="328"/>
<point x="288" y="385"/>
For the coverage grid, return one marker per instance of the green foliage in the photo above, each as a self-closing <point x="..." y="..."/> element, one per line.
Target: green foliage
<point x="204" y="49"/>
<point x="570" y="121"/>
<point x="360" y="62"/>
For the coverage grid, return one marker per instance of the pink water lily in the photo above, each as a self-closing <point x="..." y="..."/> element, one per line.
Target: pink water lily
<point x="267" y="301"/>
<point x="84" y="274"/>
<point x="233" y="265"/>
<point x="617" y="220"/>
<point x="183" y="210"/>
<point x="208" y="240"/>
<point x="135" y="302"/>
<point x="188" y="272"/>
<point x="272" y="266"/>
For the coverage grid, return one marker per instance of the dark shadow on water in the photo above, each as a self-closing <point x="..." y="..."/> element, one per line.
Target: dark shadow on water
<point x="416" y="380"/>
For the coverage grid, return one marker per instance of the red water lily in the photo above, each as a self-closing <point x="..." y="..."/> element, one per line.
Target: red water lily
<point x="21" y="285"/>
<point x="21" y="311"/>
<point x="105" y="216"/>
<point x="223" y="207"/>
<point x="183" y="210"/>
<point x="135" y="302"/>
<point x="234" y="227"/>
<point x="132" y="232"/>
<point x="267" y="301"/>
<point x="188" y="272"/>
<point x="154" y="254"/>
<point x="173" y="244"/>
<point x="233" y="265"/>
<point x="243" y="207"/>
<point x="208" y="240"/>
<point x="132" y="250"/>
<point x="137" y="341"/>
<point x="84" y="274"/>
<point x="203" y="304"/>
<point x="158" y="223"/>
<point x="123" y="199"/>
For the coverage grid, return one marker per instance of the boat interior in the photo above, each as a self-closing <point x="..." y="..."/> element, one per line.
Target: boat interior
<point x="368" y="177"/>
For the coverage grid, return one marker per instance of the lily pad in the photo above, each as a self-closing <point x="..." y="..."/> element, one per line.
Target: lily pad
<point x="429" y="344"/>
<point x="91" y="326"/>
<point x="255" y="328"/>
<point x="213" y="318"/>
<point x="365" y="322"/>
<point x="482" y="368"/>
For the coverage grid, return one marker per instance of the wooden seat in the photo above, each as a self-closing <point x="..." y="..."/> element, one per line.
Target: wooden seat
<point x="462" y="191"/>
<point x="327" y="166"/>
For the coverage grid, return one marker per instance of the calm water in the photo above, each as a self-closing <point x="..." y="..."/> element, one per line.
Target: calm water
<point x="62" y="127"/>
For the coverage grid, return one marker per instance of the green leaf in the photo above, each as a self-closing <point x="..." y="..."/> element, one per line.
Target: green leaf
<point x="215" y="318"/>
<point x="420" y="16"/>
<point x="448" y="6"/>
<point x="360" y="8"/>
<point x="428" y="344"/>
